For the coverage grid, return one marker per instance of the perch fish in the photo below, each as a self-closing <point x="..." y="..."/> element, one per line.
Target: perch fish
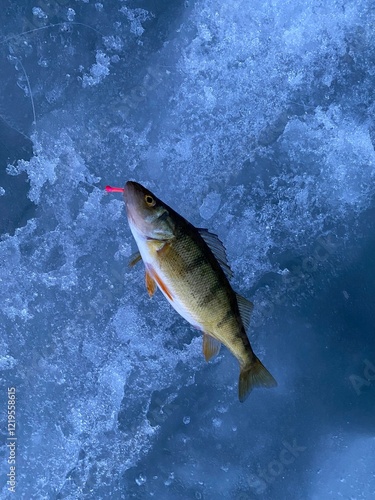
<point x="189" y="266"/>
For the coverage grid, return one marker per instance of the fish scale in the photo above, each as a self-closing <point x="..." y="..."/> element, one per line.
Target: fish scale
<point x="194" y="288"/>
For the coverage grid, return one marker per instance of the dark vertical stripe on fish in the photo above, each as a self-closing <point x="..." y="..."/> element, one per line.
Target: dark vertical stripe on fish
<point x="196" y="263"/>
<point x="212" y="292"/>
<point x="229" y="315"/>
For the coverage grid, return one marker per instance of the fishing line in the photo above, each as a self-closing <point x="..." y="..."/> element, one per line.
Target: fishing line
<point x="29" y="87"/>
<point x="12" y="37"/>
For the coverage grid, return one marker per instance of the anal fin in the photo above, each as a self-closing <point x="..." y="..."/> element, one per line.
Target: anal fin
<point x="211" y="346"/>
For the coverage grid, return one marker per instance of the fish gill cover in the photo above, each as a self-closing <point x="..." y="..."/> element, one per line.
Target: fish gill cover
<point x="255" y="120"/>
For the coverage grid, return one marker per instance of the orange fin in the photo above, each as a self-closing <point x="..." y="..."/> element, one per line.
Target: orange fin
<point x="254" y="375"/>
<point x="211" y="346"/>
<point x="162" y="286"/>
<point x="150" y="284"/>
<point x="150" y="272"/>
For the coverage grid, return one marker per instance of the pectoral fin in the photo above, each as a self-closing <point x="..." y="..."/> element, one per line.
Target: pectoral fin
<point x="211" y="346"/>
<point x="164" y="249"/>
<point x="136" y="257"/>
<point x="152" y="279"/>
<point x="150" y="284"/>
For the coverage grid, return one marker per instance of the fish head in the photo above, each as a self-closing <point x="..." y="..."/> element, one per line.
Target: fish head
<point x="147" y="215"/>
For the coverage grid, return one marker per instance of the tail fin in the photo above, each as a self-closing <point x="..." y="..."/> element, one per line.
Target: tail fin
<point x="254" y="375"/>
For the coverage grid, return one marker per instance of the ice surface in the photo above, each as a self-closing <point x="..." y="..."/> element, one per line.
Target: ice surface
<point x="343" y="473"/>
<point x="254" y="119"/>
<point x="98" y="71"/>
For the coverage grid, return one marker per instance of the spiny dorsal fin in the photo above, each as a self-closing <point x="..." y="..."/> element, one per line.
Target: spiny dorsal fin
<point x="217" y="248"/>
<point x="246" y="308"/>
<point x="211" y="346"/>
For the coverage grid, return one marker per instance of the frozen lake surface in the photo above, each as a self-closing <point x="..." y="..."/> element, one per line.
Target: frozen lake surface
<point x="253" y="119"/>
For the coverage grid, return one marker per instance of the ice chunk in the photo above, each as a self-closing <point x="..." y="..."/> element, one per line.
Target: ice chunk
<point x="7" y="362"/>
<point x="98" y="71"/>
<point x="113" y="42"/>
<point x="210" y="205"/>
<point x="70" y="14"/>
<point x="39" y="13"/>
<point x="136" y="17"/>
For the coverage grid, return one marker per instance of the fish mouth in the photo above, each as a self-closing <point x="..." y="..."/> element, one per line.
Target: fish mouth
<point x="135" y="186"/>
<point x="131" y="190"/>
<point x="133" y="194"/>
<point x="130" y="198"/>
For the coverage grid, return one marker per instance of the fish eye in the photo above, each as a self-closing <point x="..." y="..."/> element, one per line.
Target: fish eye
<point x="149" y="200"/>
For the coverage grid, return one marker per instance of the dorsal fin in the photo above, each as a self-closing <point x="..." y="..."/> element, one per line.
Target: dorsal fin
<point x="217" y="248"/>
<point x="246" y="308"/>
